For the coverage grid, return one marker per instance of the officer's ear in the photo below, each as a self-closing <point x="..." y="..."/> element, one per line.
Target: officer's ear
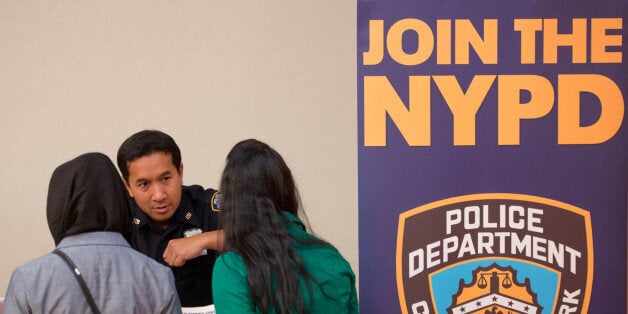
<point x="181" y="171"/>
<point x="126" y="185"/>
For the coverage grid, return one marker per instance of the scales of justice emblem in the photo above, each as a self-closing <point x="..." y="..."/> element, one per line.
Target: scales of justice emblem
<point x="494" y="290"/>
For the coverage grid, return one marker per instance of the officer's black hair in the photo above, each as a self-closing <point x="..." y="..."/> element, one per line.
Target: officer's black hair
<point x="144" y="143"/>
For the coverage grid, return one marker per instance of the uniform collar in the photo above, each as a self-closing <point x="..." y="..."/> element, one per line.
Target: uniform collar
<point x="140" y="218"/>
<point x="183" y="214"/>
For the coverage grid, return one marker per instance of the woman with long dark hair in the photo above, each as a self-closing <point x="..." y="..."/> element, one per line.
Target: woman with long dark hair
<point x="272" y="264"/>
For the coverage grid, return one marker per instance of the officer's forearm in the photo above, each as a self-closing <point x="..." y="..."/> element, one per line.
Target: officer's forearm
<point x="213" y="240"/>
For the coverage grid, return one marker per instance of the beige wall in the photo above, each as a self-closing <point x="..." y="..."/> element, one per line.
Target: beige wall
<point x="79" y="76"/>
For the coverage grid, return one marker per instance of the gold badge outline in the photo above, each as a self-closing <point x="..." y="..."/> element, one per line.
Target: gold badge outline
<point x="493" y="196"/>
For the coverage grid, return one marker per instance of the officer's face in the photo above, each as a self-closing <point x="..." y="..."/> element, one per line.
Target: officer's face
<point x="155" y="184"/>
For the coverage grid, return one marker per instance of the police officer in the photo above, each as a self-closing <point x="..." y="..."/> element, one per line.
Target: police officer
<point x="174" y="224"/>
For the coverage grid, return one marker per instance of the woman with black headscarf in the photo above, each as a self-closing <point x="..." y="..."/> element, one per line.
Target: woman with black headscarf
<point x="88" y="216"/>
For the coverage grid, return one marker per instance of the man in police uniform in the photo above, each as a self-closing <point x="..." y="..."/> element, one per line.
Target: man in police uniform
<point x="174" y="224"/>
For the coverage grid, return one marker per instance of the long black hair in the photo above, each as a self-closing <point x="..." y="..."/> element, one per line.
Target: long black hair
<point x="257" y="186"/>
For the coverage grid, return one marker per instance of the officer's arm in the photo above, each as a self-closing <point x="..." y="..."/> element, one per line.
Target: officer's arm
<point x="181" y="250"/>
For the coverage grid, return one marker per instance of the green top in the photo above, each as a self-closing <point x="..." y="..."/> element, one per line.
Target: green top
<point x="336" y="293"/>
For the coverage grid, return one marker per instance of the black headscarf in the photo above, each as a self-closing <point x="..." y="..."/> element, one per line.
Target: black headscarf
<point x="87" y="194"/>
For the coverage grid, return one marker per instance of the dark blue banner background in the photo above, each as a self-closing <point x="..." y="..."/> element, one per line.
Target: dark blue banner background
<point x="398" y="177"/>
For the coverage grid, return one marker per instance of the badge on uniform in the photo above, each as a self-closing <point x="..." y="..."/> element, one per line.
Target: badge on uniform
<point x="192" y="232"/>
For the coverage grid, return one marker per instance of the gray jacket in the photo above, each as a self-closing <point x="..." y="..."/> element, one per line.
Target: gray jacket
<point x="120" y="279"/>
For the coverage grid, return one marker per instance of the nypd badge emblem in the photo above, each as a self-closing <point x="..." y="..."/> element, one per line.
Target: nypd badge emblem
<point x="494" y="253"/>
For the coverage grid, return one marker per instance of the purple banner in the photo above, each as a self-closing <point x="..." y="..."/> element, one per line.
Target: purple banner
<point x="492" y="156"/>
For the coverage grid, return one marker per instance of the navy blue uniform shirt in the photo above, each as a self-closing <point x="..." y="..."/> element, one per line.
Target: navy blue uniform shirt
<point x="194" y="215"/>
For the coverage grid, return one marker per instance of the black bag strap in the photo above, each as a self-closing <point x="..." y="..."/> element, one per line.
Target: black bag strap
<point x="79" y="278"/>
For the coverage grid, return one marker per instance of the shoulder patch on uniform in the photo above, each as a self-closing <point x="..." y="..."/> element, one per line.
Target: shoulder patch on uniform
<point x="215" y="201"/>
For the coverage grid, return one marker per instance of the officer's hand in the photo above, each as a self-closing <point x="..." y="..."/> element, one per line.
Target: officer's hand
<point x="181" y="250"/>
